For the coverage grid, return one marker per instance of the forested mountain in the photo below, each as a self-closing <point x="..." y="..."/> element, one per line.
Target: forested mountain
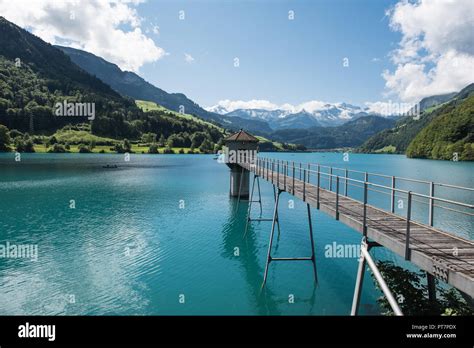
<point x="349" y="134"/>
<point x="131" y="85"/>
<point x="435" y="100"/>
<point x="398" y="138"/>
<point x="449" y="136"/>
<point x="35" y="75"/>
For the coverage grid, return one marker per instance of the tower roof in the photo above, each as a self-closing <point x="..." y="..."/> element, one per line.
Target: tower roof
<point x="242" y="136"/>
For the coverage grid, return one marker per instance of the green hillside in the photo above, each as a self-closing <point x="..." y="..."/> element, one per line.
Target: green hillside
<point x="398" y="138"/>
<point x="265" y="144"/>
<point x="133" y="86"/>
<point x="34" y="76"/>
<point x="151" y="106"/>
<point x="450" y="133"/>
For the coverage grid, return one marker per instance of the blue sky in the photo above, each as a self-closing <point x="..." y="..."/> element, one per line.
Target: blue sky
<point x="282" y="60"/>
<point x="397" y="50"/>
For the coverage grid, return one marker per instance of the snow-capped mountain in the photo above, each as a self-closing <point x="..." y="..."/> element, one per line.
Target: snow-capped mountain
<point x="306" y="115"/>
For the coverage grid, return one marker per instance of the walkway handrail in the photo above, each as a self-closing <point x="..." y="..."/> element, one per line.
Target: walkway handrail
<point x="397" y="177"/>
<point x="469" y="206"/>
<point x="331" y="196"/>
<point x="305" y="172"/>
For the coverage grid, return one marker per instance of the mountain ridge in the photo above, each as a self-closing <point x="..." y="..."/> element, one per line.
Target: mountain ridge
<point x="349" y="134"/>
<point x="35" y="76"/>
<point x="326" y="115"/>
<point x="134" y="86"/>
<point x="399" y="137"/>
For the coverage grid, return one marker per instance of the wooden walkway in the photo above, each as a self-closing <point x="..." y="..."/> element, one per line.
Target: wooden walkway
<point x="447" y="257"/>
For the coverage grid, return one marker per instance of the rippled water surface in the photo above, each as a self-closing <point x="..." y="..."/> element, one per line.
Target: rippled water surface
<point x="163" y="226"/>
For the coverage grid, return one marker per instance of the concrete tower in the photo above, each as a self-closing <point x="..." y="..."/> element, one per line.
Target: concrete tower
<point x="241" y="147"/>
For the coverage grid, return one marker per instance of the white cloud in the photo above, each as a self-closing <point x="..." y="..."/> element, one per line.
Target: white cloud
<point x="315" y="107"/>
<point x="188" y="58"/>
<point x="311" y="106"/>
<point x="108" y="28"/>
<point x="436" y="52"/>
<point x="388" y="108"/>
<point x="231" y="105"/>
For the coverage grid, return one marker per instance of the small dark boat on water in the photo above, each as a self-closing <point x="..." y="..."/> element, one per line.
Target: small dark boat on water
<point x="109" y="166"/>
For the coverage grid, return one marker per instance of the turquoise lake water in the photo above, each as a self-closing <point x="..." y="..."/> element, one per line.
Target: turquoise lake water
<point x="162" y="226"/>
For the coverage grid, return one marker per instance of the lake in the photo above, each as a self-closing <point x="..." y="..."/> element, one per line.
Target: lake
<point x="159" y="235"/>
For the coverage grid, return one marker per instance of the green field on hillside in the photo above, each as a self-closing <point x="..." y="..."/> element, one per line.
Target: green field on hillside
<point x="152" y="106"/>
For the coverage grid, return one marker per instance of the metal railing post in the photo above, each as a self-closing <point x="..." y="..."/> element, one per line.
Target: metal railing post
<point x="364" y="222"/>
<point x="383" y="285"/>
<point x="366" y="259"/>
<point x="268" y="169"/>
<point x="278" y="173"/>
<point x="309" y="171"/>
<point x="264" y="165"/>
<point x="319" y="184"/>
<point x="273" y="168"/>
<point x="293" y="178"/>
<point x="284" y="175"/>
<point x="358" y="284"/>
<point x="392" y="197"/>
<point x="330" y="178"/>
<point x="407" y="237"/>
<point x="300" y="170"/>
<point x="431" y="206"/>
<point x="337" y="197"/>
<point x="304" y="186"/>
<point x="346" y="175"/>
